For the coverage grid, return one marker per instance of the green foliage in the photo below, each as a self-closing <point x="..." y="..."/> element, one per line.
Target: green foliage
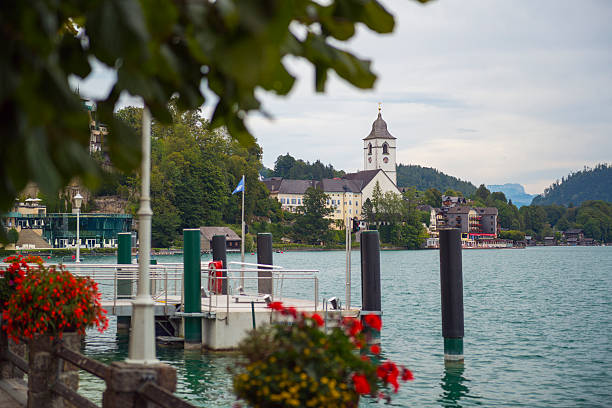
<point x="12" y="236"/>
<point x="424" y="178"/>
<point x="194" y="169"/>
<point x="432" y="197"/>
<point x="288" y="167"/>
<point x="513" y="235"/>
<point x="584" y="185"/>
<point x="158" y="49"/>
<point x="311" y="225"/>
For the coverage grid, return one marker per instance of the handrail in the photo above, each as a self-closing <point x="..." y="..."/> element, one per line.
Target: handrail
<point x="72" y="396"/>
<point x="162" y="397"/>
<point x="85" y="363"/>
<point x="17" y="360"/>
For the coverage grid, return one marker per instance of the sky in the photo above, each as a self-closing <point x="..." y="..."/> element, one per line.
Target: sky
<point x="488" y="91"/>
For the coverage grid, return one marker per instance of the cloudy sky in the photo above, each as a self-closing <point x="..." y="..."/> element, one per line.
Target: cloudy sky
<point x="488" y="91"/>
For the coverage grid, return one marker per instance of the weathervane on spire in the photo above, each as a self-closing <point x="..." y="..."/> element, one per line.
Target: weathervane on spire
<point x="379" y="106"/>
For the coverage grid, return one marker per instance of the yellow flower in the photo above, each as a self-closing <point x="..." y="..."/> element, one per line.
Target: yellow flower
<point x="272" y="360"/>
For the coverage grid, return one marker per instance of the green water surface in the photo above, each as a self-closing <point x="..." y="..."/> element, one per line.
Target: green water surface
<point x="538" y="328"/>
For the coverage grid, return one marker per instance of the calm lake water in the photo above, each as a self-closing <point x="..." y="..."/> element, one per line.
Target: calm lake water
<point x="538" y="327"/>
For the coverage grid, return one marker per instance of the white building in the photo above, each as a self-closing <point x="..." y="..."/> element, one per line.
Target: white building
<point x="379" y="149"/>
<point x="347" y="195"/>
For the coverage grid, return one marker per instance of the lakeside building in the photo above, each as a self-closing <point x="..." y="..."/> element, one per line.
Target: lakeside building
<point x="39" y="229"/>
<point x="346" y="195"/>
<point x="232" y="240"/>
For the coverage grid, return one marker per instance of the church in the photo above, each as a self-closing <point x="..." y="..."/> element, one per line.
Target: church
<point x="346" y="195"/>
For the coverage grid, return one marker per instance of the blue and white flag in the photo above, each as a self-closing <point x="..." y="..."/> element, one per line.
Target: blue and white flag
<point x="239" y="187"/>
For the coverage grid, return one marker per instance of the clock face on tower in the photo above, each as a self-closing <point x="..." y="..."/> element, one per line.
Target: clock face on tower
<point x="386" y="160"/>
<point x="370" y="159"/>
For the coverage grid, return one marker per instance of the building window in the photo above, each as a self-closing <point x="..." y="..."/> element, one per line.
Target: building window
<point x="350" y="202"/>
<point x="282" y="201"/>
<point x="349" y="210"/>
<point x="327" y="202"/>
<point x="299" y="201"/>
<point x="369" y="149"/>
<point x="385" y="148"/>
<point x="293" y="201"/>
<point x="357" y="212"/>
<point x="333" y="202"/>
<point x="338" y="211"/>
<point x="357" y="203"/>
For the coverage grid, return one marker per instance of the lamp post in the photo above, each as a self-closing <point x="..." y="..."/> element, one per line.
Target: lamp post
<point x="141" y="348"/>
<point x="78" y="199"/>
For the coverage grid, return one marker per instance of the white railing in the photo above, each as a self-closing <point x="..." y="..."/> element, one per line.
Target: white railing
<point x="167" y="281"/>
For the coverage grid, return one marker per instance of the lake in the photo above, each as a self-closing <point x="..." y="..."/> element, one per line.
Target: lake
<point x="538" y="327"/>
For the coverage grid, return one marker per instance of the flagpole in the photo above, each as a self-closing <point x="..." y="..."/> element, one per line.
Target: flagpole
<point x="242" y="241"/>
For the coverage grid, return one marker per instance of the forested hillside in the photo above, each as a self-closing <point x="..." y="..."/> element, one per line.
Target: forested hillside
<point x="193" y="172"/>
<point x="291" y="168"/>
<point x="424" y="178"/>
<point x="588" y="184"/>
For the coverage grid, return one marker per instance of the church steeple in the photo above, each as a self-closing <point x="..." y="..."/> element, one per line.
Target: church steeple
<point x="379" y="148"/>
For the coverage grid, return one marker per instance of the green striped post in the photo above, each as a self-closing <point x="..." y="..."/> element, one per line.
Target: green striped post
<point x="124" y="286"/>
<point x="192" y="283"/>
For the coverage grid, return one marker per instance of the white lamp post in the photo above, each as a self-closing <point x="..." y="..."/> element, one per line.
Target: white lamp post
<point x="141" y="349"/>
<point x="78" y="199"/>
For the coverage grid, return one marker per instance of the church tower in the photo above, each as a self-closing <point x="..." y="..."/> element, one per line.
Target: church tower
<point x="379" y="149"/>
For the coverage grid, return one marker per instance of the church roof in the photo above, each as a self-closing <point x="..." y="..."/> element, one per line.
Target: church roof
<point x="365" y="176"/>
<point x="341" y="185"/>
<point x="379" y="130"/>
<point x="295" y="186"/>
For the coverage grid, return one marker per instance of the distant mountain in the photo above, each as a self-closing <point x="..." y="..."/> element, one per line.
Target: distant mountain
<point x="514" y="192"/>
<point x="424" y="178"/>
<point x="587" y="184"/>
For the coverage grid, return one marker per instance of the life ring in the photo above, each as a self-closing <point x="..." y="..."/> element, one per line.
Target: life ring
<point x="215" y="285"/>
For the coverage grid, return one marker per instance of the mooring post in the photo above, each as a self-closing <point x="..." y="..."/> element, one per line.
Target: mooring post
<point x="451" y="290"/>
<point x="264" y="257"/>
<point x="124" y="286"/>
<point x="219" y="253"/>
<point x="193" y="294"/>
<point x="370" y="281"/>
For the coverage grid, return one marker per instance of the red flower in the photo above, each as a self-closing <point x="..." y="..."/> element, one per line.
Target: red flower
<point x="407" y="375"/>
<point x="278" y="306"/>
<point x="318" y="319"/>
<point x="375" y="349"/>
<point x="373" y="321"/>
<point x="362" y="386"/>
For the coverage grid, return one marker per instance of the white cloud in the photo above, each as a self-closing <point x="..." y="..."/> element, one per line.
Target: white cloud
<point x="491" y="92"/>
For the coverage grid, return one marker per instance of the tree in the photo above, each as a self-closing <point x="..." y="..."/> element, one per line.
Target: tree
<point x="368" y="210"/>
<point x="158" y="49"/>
<point x="433" y="198"/>
<point x="312" y="225"/>
<point x="12" y="236"/>
<point x="482" y="193"/>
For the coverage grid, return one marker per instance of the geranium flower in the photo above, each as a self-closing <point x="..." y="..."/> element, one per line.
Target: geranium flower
<point x="318" y="319"/>
<point x="362" y="386"/>
<point x="278" y="306"/>
<point x="373" y="321"/>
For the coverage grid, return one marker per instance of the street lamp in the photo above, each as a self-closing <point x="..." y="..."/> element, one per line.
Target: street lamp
<point x="78" y="199"/>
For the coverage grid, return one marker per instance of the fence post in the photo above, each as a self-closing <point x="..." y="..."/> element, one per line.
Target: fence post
<point x="46" y="368"/>
<point x="219" y="253"/>
<point x="125" y="380"/>
<point x="264" y="257"/>
<point x="7" y="369"/>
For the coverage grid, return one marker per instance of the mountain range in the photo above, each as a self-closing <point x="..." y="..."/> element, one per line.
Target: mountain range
<point x="513" y="191"/>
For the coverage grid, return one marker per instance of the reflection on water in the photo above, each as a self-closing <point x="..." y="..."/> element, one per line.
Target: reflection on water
<point x="452" y="383"/>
